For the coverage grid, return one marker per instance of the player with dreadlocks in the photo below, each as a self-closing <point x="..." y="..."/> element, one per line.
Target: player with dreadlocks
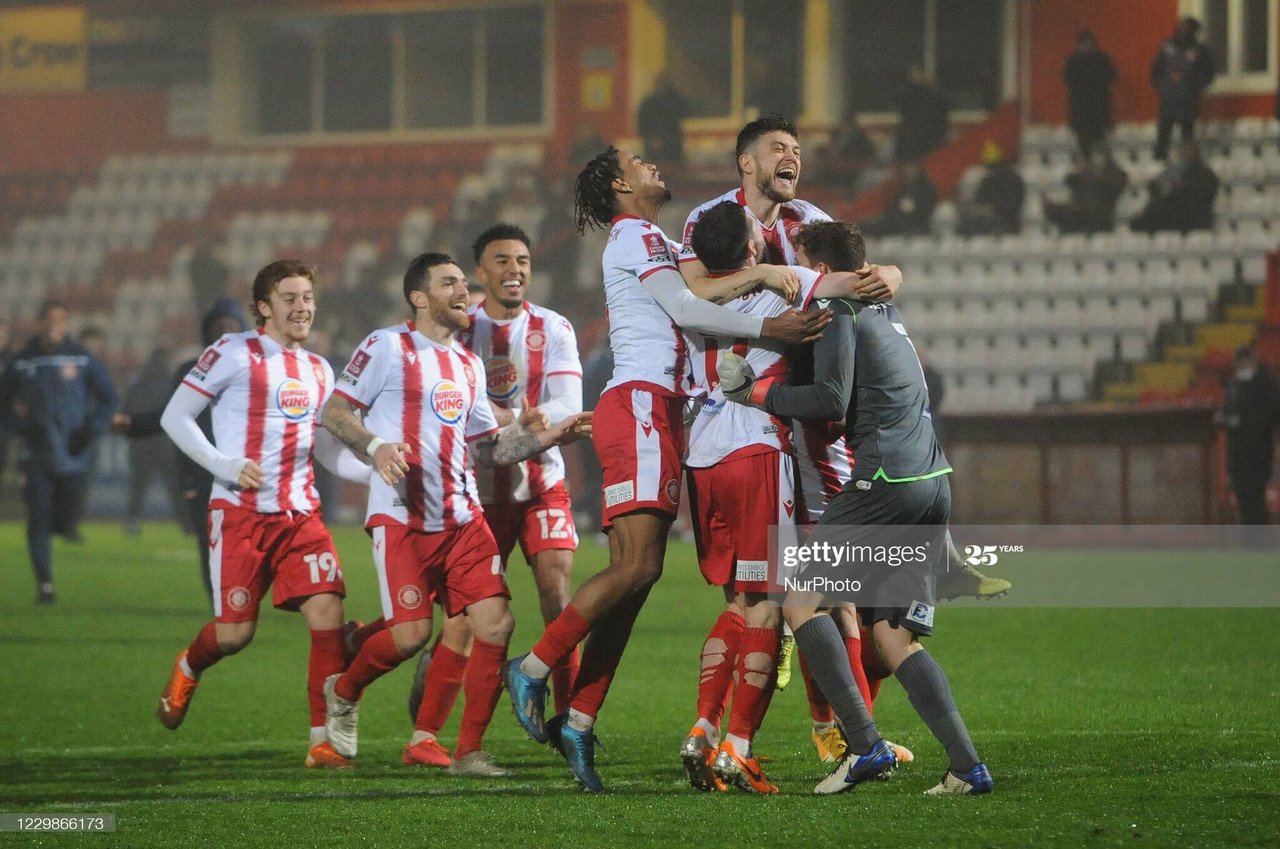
<point x="638" y="437"/>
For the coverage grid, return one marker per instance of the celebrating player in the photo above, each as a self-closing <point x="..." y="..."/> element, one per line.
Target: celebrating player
<point x="639" y="442"/>
<point x="767" y="155"/>
<point x="423" y="393"/>
<point x="900" y="478"/>
<point x="264" y="513"/>
<point x="742" y="479"/>
<point x="530" y="357"/>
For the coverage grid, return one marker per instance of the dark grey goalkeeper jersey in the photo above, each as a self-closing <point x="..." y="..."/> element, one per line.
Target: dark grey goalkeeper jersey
<point x="865" y="369"/>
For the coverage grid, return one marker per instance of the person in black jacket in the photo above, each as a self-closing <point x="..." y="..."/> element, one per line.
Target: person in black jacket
<point x="194" y="483"/>
<point x="1089" y="74"/>
<point x="1250" y="414"/>
<point x="1180" y="72"/>
<point x="58" y="398"/>
<point x="1182" y="196"/>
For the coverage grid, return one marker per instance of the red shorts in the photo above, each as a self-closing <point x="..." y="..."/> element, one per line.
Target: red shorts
<point x="542" y="524"/>
<point x="639" y="438"/>
<point x="457" y="567"/>
<point x="292" y="553"/>
<point x="733" y="504"/>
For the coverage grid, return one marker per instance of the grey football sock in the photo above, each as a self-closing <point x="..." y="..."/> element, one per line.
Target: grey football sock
<point x="930" y="694"/>
<point x="823" y="650"/>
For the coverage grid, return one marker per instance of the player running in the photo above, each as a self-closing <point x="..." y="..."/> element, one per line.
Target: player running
<point x="422" y="392"/>
<point x="639" y="441"/>
<point x="867" y="372"/>
<point x="265" y="529"/>
<point x="742" y="479"/>
<point x="530" y="357"/>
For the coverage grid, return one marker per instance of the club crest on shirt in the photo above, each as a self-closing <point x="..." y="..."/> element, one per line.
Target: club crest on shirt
<point x="535" y="340"/>
<point x="792" y="228"/>
<point x="502" y="377"/>
<point x="470" y="374"/>
<point x="293" y="400"/>
<point x="447" y="401"/>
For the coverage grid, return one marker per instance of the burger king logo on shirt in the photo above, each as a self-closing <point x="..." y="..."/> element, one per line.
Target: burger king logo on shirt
<point x="293" y="399"/>
<point x="448" y="401"/>
<point x="503" y="379"/>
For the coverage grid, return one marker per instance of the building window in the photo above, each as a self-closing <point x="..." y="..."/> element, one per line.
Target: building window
<point x="454" y="69"/>
<point x="736" y="59"/>
<point x="961" y="46"/>
<point x="1242" y="36"/>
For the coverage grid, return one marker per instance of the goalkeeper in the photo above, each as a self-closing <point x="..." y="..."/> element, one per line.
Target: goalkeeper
<point x="899" y="478"/>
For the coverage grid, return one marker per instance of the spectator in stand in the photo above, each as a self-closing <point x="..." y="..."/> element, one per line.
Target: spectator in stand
<point x="1250" y="414"/>
<point x="151" y="457"/>
<point x="996" y="205"/>
<point x="1089" y="74"/>
<point x="59" y="399"/>
<point x="1095" y="186"/>
<point x="924" y="117"/>
<point x="208" y="275"/>
<point x="1180" y="72"/>
<point x="659" y="122"/>
<point x="910" y="213"/>
<point x="1182" y="195"/>
<point x="841" y="161"/>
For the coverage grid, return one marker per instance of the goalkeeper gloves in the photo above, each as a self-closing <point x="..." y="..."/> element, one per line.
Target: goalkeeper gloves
<point x="739" y="382"/>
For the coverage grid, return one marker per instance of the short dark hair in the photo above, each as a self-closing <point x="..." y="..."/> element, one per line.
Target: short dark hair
<point x="720" y="237"/>
<point x="415" y="276"/>
<point x="498" y="233"/>
<point x="837" y="243"/>
<point x="48" y="305"/>
<point x="266" y="281"/>
<point x="594" y="202"/>
<point x="761" y="126"/>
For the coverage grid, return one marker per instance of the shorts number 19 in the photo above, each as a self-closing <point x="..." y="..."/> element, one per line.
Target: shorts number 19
<point x="322" y="562"/>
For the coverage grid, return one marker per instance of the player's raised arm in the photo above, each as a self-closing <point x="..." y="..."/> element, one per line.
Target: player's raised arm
<point x="687" y="310"/>
<point x="722" y="289"/>
<point x="827" y="398"/>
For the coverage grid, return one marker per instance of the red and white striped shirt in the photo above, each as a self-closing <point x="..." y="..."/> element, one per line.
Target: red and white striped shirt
<point x="720" y="427"/>
<point x="266" y="402"/>
<point x="792" y="215"/>
<point x="521" y="357"/>
<point x="427" y="395"/>
<point x="824" y="462"/>
<point x="647" y="345"/>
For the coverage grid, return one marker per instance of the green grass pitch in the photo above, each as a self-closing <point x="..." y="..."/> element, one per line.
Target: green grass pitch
<point x="1102" y="728"/>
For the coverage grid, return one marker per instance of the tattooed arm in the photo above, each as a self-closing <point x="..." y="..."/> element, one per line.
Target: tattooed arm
<point x="389" y="458"/>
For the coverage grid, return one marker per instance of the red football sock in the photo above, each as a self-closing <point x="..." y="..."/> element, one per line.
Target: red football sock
<point x="562" y="678"/>
<point x="561" y="637"/>
<point x="483" y="683"/>
<point x="378" y="656"/>
<point x="719" y="656"/>
<point x="326" y="660"/>
<point x="819" y="707"/>
<point x="602" y="654"/>
<point x="756" y="679"/>
<point x="440" y="689"/>
<point x="853" y="646"/>
<point x="203" y="651"/>
<point x="360" y="635"/>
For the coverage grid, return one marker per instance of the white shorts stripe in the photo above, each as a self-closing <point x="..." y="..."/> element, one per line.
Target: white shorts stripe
<point x="380" y="564"/>
<point x="215" y="559"/>
<point x="648" y="447"/>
